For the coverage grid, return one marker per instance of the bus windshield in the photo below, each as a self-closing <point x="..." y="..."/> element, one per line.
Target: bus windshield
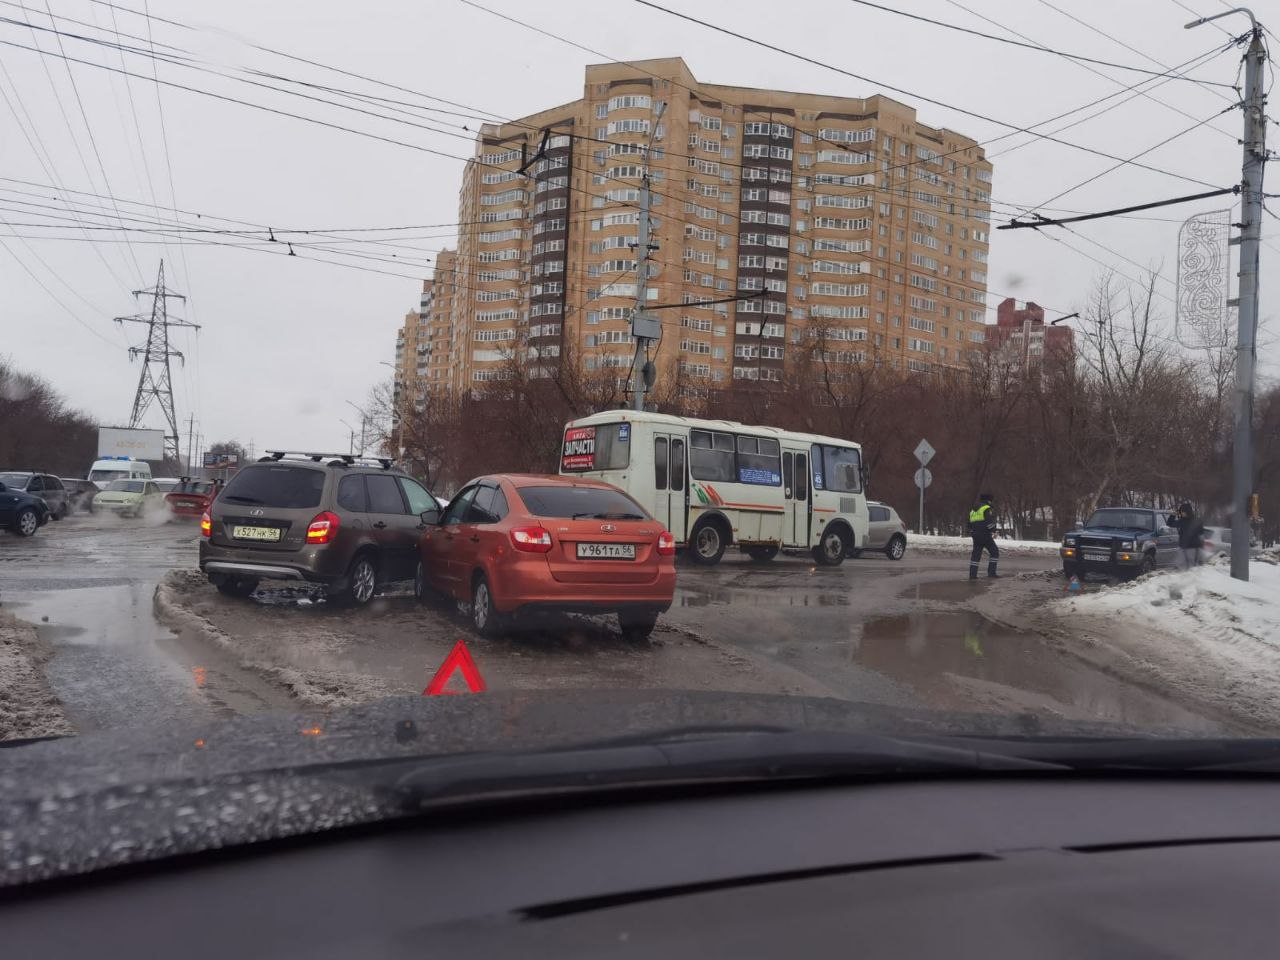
<point x="603" y="447"/>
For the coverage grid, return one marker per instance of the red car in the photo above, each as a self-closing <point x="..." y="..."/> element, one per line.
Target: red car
<point x="515" y="544"/>
<point x="191" y="498"/>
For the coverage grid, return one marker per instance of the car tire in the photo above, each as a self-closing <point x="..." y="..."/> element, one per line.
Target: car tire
<point x="1148" y="565"/>
<point x="761" y="554"/>
<point x="420" y="583"/>
<point x="27" y="522"/>
<point x="361" y="582"/>
<point x="484" y="615"/>
<point x="637" y="627"/>
<point x="831" y="547"/>
<point x="707" y="543"/>
<point x="896" y="548"/>
<point x="235" y="586"/>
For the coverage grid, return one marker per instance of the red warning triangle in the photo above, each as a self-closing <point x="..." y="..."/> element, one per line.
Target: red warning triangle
<point x="458" y="659"/>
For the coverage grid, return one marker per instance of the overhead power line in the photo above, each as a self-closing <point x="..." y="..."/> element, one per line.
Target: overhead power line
<point x="1047" y="222"/>
<point x="907" y="93"/>
<point x="1026" y="46"/>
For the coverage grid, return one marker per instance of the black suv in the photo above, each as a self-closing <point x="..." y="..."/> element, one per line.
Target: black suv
<point x="21" y="512"/>
<point x="349" y="523"/>
<point x="1121" y="542"/>
<point x="45" y="486"/>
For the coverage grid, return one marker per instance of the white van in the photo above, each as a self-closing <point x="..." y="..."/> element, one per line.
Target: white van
<point x="713" y="483"/>
<point x="118" y="468"/>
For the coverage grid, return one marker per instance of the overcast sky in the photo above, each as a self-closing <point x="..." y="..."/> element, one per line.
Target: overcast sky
<point x="286" y="342"/>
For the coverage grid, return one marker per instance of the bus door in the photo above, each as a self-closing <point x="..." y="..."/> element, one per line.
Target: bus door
<point x="795" y="493"/>
<point x="669" y="483"/>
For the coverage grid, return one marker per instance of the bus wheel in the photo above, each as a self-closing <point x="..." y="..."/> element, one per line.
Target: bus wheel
<point x="708" y="543"/>
<point x="761" y="554"/>
<point x="830" y="549"/>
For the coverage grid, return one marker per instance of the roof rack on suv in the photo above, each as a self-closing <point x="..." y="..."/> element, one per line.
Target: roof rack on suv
<point x="347" y="459"/>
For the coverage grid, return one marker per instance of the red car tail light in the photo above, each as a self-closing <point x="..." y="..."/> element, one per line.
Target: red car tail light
<point x="531" y="539"/>
<point x="323" y="528"/>
<point x="666" y="544"/>
<point x="206" y="524"/>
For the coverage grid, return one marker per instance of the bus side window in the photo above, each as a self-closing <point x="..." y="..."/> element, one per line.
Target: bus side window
<point x="787" y="474"/>
<point x="802" y="477"/>
<point x="660" y="463"/>
<point x="677" y="464"/>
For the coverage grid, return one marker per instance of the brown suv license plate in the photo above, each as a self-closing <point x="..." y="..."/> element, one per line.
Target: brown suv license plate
<point x="267" y="534"/>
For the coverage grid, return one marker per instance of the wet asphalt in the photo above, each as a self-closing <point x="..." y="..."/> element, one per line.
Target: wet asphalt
<point x="872" y="630"/>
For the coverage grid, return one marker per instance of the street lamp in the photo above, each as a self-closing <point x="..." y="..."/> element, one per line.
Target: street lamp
<point x="399" y="414"/>
<point x="364" y="418"/>
<point x="351" y="443"/>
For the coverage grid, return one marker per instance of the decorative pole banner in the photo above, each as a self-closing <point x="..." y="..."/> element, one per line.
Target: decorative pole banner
<point x="1204" y="281"/>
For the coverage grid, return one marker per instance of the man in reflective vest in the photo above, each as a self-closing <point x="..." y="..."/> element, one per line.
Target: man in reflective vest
<point x="982" y="526"/>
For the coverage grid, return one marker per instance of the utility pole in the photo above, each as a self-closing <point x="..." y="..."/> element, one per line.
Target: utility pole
<point x="1255" y="156"/>
<point x="154" y="383"/>
<point x="191" y="436"/>
<point x="644" y="327"/>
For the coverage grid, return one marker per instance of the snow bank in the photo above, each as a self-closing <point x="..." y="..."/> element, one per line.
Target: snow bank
<point x="1231" y="618"/>
<point x="938" y="544"/>
<point x="28" y="708"/>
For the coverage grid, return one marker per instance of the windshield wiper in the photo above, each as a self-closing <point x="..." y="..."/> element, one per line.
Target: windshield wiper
<point x="241" y="499"/>
<point x="607" y="516"/>
<point x="640" y="763"/>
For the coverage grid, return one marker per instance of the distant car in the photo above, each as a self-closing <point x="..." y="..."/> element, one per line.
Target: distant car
<point x="118" y="468"/>
<point x="1121" y="542"/>
<point x="48" y="488"/>
<point x="348" y="523"/>
<point x="80" y="493"/>
<point x="21" y="512"/>
<point x="514" y="544"/>
<point x="129" y="498"/>
<point x="191" y="498"/>
<point x="167" y="484"/>
<point x="885" y="532"/>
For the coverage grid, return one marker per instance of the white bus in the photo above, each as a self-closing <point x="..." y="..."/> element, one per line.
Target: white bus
<point x="715" y="482"/>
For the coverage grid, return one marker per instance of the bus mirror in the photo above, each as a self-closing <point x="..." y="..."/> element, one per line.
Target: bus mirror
<point x="866" y="477"/>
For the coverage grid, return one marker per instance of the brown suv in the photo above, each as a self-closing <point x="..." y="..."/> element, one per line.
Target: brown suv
<point x="349" y="523"/>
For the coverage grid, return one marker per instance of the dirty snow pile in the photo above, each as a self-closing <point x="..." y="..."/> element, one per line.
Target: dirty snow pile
<point x="1203" y="605"/>
<point x="939" y="544"/>
<point x="28" y="707"/>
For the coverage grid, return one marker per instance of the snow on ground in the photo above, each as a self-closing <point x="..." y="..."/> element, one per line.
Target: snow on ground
<point x="1203" y="604"/>
<point x="28" y="707"/>
<point x="938" y="544"/>
<point x="1198" y="630"/>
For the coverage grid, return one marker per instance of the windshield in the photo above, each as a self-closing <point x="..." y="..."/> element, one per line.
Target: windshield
<point x="580" y="502"/>
<point x="126" y="486"/>
<point x="1121" y="519"/>
<point x="667" y="366"/>
<point x="275" y="486"/>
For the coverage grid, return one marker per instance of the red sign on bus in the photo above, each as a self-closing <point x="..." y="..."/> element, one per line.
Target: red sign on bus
<point x="579" y="449"/>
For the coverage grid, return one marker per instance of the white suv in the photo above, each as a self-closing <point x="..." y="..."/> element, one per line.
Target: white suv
<point x="885" y="532"/>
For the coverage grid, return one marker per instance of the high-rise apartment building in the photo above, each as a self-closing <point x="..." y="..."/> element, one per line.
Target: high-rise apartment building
<point x="1023" y="337"/>
<point x="863" y="233"/>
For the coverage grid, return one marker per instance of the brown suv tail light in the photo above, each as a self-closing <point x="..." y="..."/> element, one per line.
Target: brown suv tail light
<point x="206" y="524"/>
<point x="323" y="528"/>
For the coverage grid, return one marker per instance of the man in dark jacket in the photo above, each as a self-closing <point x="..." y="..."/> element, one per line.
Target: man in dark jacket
<point x="982" y="527"/>
<point x="1190" y="535"/>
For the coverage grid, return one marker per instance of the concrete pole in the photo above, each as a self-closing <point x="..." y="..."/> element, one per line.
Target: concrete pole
<point x="1255" y="152"/>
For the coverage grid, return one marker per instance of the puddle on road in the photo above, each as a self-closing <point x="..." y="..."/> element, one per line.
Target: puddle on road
<point x="948" y="591"/>
<point x="965" y="661"/>
<point x="114" y="664"/>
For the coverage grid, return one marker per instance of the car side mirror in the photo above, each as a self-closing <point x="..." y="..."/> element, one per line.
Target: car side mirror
<point x="430" y="517"/>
